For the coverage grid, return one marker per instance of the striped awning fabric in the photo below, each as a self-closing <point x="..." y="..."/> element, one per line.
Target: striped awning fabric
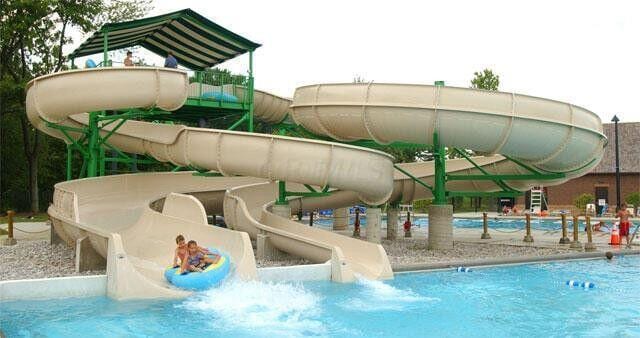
<point x="195" y="41"/>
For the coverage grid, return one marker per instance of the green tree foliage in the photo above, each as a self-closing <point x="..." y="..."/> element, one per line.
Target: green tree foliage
<point x="485" y="80"/>
<point x="220" y="76"/>
<point x="33" y="35"/>
<point x="481" y="80"/>
<point x="633" y="199"/>
<point x="582" y="200"/>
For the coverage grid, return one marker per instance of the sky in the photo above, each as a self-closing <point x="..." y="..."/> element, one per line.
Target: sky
<point x="583" y="52"/>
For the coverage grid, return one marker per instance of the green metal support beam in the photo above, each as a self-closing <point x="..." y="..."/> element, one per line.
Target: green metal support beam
<point x="282" y="193"/>
<point x="508" y="177"/>
<point x="208" y="174"/>
<point x="69" y="160"/>
<point x="94" y="146"/>
<point x="484" y="194"/>
<point x="497" y="181"/>
<point x="235" y="125"/>
<point x="417" y="180"/>
<point x="439" y="157"/>
<point x="105" y="48"/>
<point x="250" y="93"/>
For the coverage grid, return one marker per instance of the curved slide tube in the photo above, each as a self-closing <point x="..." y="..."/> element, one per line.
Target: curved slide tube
<point x="63" y="98"/>
<point x="132" y="220"/>
<point x="345" y="112"/>
<point x="551" y="136"/>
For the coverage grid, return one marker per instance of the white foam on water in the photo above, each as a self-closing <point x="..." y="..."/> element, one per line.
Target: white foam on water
<point x="379" y="296"/>
<point x="262" y="309"/>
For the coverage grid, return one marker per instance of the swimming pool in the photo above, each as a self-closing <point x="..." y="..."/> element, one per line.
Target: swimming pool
<point x="526" y="300"/>
<point x="513" y="224"/>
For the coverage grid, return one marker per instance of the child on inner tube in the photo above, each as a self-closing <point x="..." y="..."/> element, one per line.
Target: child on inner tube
<point x="197" y="259"/>
<point x="182" y="253"/>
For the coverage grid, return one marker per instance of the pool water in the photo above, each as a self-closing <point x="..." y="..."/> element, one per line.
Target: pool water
<point x="527" y="300"/>
<point x="422" y="222"/>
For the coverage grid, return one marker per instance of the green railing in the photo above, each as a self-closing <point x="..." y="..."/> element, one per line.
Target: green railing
<point x="220" y="86"/>
<point x="213" y="85"/>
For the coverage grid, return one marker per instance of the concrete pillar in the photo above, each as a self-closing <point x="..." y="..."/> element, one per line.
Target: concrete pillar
<point x="87" y="259"/>
<point x="265" y="249"/>
<point x="589" y="246"/>
<point x="392" y="223"/>
<point x="340" y="218"/>
<point x="54" y="238"/>
<point x="440" y="227"/>
<point x="374" y="219"/>
<point x="282" y="210"/>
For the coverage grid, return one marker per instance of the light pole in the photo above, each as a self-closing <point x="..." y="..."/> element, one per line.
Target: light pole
<point x="615" y="120"/>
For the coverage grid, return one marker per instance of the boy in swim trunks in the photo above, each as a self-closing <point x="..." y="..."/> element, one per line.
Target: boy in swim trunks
<point x="623" y="214"/>
<point x="180" y="253"/>
<point x="197" y="259"/>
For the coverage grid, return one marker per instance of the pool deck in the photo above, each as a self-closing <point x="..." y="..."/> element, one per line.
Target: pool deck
<point x="506" y="246"/>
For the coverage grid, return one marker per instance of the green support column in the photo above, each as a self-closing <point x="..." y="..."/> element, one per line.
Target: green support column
<point x="199" y="80"/>
<point x="105" y="48"/>
<point x="439" y="189"/>
<point x="102" y="162"/>
<point x="250" y="129"/>
<point x="282" y="193"/>
<point x="69" y="160"/>
<point x="94" y="146"/>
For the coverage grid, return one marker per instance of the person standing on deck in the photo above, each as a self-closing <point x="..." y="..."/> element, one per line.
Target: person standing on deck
<point x="623" y="214"/>
<point x="170" y="61"/>
<point x="128" y="61"/>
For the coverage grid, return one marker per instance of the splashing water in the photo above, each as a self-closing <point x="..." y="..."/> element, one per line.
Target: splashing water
<point x="378" y="296"/>
<point x="261" y="309"/>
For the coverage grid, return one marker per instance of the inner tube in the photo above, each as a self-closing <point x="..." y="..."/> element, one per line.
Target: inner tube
<point x="210" y="277"/>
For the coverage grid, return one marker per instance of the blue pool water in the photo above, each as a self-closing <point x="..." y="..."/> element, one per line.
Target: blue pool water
<point x="528" y="300"/>
<point x="513" y="224"/>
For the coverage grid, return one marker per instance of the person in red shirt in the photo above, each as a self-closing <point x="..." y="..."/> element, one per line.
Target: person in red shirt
<point x="623" y="214"/>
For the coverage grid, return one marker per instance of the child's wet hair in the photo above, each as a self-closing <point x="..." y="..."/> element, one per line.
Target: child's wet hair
<point x="179" y="238"/>
<point x="192" y="242"/>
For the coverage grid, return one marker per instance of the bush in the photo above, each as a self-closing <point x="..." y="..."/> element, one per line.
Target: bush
<point x="581" y="201"/>
<point x="633" y="198"/>
<point x="421" y="205"/>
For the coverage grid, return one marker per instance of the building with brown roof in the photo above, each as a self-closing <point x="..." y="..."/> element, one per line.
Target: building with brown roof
<point x="601" y="181"/>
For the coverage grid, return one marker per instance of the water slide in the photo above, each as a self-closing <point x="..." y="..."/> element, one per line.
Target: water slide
<point x="132" y="219"/>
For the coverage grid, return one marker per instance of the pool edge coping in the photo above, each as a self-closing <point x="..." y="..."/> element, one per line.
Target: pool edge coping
<point x="505" y="261"/>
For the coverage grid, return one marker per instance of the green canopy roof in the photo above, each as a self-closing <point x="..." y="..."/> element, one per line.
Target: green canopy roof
<point x="195" y="41"/>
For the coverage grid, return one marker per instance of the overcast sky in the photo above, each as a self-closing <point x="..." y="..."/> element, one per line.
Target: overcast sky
<point x="583" y="52"/>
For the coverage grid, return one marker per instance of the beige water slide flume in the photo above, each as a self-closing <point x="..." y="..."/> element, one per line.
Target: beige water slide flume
<point x="121" y="216"/>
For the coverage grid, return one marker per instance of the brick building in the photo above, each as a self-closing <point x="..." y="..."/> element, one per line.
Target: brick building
<point x="601" y="181"/>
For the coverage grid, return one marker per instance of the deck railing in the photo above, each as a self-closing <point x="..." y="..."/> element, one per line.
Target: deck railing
<point x="219" y="86"/>
<point x="211" y="85"/>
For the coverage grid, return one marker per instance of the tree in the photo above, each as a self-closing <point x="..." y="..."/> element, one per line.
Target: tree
<point x="33" y="35"/>
<point x="582" y="200"/>
<point x="485" y="80"/>
<point x="633" y="199"/>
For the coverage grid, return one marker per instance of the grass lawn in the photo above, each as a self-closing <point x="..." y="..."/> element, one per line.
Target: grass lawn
<point x="25" y="217"/>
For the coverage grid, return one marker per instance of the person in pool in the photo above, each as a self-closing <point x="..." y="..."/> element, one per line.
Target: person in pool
<point x="197" y="257"/>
